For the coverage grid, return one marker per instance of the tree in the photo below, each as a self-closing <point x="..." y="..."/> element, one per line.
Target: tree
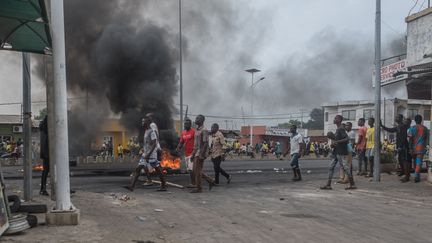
<point x="290" y="123"/>
<point x="42" y="114"/>
<point x="317" y="119"/>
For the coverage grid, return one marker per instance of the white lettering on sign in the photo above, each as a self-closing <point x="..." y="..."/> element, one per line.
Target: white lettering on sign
<point x="388" y="71"/>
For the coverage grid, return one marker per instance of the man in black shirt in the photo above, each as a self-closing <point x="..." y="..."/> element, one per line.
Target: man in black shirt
<point x="44" y="154"/>
<point x="402" y="146"/>
<point x="340" y="143"/>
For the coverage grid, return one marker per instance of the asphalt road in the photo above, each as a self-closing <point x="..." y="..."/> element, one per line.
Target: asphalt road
<point x="260" y="205"/>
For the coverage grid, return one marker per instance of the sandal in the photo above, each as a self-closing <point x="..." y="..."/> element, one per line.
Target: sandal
<point x="351" y="187"/>
<point x="326" y="187"/>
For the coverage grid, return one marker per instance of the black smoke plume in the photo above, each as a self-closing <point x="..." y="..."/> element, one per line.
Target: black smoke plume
<point x="125" y="63"/>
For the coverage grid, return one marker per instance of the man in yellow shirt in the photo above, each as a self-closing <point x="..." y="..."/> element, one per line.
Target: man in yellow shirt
<point x="370" y="145"/>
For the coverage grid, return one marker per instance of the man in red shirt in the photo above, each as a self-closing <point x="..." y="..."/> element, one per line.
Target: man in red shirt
<point x="187" y="140"/>
<point x="361" y="147"/>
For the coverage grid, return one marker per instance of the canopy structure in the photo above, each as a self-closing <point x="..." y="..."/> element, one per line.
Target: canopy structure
<point x="24" y="26"/>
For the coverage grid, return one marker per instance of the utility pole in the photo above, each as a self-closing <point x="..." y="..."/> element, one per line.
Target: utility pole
<point x="181" y="66"/>
<point x="27" y="125"/>
<point x="60" y="126"/>
<point x="252" y="71"/>
<point x="377" y="159"/>
<point x="244" y="121"/>
<point x="301" y="121"/>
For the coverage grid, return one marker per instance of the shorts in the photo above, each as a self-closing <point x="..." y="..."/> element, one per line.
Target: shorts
<point x="370" y="152"/>
<point x="189" y="163"/>
<point x="152" y="162"/>
<point x="295" y="160"/>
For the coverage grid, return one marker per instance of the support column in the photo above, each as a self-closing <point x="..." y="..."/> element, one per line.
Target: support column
<point x="63" y="213"/>
<point x="377" y="159"/>
<point x="27" y="125"/>
<point x="51" y="121"/>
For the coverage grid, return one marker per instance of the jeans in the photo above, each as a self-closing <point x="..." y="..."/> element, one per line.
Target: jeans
<point x="343" y="162"/>
<point x="362" y="159"/>
<point x="217" y="169"/>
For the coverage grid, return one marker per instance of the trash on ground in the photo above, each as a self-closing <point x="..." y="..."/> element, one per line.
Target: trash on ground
<point x="140" y="218"/>
<point x="158" y="210"/>
<point x="253" y="171"/>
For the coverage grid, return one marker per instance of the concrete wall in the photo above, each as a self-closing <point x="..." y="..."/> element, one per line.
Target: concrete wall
<point x="6" y="129"/>
<point x="419" y="31"/>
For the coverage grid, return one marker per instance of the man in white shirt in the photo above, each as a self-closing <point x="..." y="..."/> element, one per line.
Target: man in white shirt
<point x="295" y="149"/>
<point x="149" y="156"/>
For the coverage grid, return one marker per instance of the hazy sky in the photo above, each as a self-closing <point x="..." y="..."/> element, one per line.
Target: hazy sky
<point x="302" y="47"/>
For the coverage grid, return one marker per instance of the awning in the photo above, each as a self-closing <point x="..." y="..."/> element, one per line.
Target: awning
<point x="24" y="26"/>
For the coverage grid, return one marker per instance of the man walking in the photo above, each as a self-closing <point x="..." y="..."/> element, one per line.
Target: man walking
<point x="296" y="150"/>
<point x="370" y="145"/>
<point x="149" y="155"/>
<point x="187" y="140"/>
<point x="402" y="146"/>
<point x="418" y="139"/>
<point x="351" y="143"/>
<point x="340" y="143"/>
<point x="216" y="153"/>
<point x="361" y="147"/>
<point x="199" y="154"/>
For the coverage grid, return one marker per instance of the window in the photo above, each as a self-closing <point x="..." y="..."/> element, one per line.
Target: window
<point x="412" y="113"/>
<point x="427" y="115"/>
<point x="368" y="113"/>
<point x="349" y="115"/>
<point x="326" y="117"/>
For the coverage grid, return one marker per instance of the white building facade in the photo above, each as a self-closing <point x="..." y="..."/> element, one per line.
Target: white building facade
<point x="352" y="111"/>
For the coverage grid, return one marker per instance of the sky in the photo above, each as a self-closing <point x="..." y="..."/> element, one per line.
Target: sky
<point x="309" y="52"/>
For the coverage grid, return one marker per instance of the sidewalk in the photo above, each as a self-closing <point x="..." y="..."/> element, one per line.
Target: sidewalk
<point x="254" y="208"/>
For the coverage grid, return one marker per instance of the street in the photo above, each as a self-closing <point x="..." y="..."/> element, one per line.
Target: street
<point x="261" y="204"/>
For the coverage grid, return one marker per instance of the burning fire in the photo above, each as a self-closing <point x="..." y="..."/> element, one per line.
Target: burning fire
<point x="38" y="167"/>
<point x="170" y="161"/>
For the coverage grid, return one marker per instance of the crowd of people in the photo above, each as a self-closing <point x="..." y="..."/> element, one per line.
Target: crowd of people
<point x="263" y="148"/>
<point x="344" y="145"/>
<point x="11" y="149"/>
<point x="410" y="148"/>
<point x="198" y="144"/>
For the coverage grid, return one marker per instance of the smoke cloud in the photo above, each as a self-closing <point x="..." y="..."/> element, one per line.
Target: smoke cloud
<point x="125" y="55"/>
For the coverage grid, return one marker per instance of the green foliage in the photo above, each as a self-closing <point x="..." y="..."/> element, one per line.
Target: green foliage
<point x="42" y="114"/>
<point x="316" y="122"/>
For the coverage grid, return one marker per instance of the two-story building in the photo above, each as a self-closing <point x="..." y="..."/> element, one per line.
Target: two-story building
<point x="352" y="111"/>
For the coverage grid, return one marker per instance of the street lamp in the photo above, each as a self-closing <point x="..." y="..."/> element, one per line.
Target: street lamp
<point x="181" y="65"/>
<point x="252" y="71"/>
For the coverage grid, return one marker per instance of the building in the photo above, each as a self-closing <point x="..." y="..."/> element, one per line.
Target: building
<point x="11" y="127"/>
<point x="277" y="134"/>
<point x="354" y="110"/>
<point x="112" y="130"/>
<point x="419" y="54"/>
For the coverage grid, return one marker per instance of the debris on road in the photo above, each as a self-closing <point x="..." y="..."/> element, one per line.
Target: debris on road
<point x="124" y="198"/>
<point x="253" y="171"/>
<point x="140" y="218"/>
<point x="170" y="184"/>
<point x="265" y="212"/>
<point x="158" y="210"/>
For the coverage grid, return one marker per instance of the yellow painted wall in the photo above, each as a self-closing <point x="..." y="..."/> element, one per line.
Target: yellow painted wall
<point x="113" y="128"/>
